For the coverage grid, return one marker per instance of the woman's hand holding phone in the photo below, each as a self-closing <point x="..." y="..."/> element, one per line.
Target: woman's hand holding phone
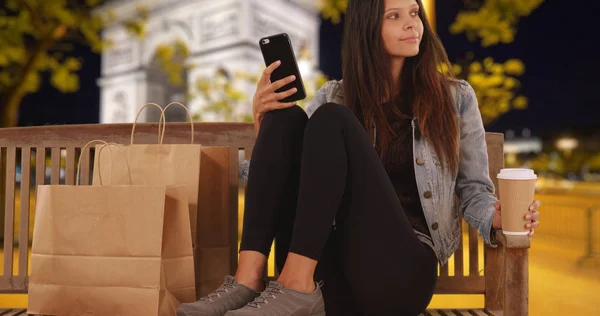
<point x="266" y="99"/>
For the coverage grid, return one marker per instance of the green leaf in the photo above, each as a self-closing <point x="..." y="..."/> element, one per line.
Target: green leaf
<point x="493" y="21"/>
<point x="520" y="102"/>
<point x="66" y="17"/>
<point x="13" y="5"/>
<point x="3" y="60"/>
<point x="72" y="64"/>
<point x="333" y="9"/>
<point x="514" y="67"/>
<point x="64" y="80"/>
<point x="32" y="83"/>
<point x="6" y="79"/>
<point x="136" y="28"/>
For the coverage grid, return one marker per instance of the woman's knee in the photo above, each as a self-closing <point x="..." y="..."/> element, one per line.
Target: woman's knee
<point x="292" y="117"/>
<point x="284" y="121"/>
<point x="332" y="114"/>
<point x="330" y="111"/>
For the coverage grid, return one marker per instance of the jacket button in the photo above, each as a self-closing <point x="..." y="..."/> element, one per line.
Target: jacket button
<point x="435" y="226"/>
<point x="427" y="194"/>
<point x="420" y="161"/>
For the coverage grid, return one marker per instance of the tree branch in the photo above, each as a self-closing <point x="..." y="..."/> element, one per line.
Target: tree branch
<point x="10" y="102"/>
<point x="36" y="20"/>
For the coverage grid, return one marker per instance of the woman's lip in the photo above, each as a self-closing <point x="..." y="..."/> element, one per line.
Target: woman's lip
<point x="412" y="38"/>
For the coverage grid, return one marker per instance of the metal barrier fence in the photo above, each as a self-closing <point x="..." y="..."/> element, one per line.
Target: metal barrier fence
<point x="571" y="222"/>
<point x="592" y="253"/>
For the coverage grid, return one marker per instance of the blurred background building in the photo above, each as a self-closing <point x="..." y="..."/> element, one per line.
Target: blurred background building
<point x="213" y="38"/>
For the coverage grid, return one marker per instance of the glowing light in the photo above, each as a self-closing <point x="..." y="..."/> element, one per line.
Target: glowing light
<point x="430" y="10"/>
<point x="567" y="143"/>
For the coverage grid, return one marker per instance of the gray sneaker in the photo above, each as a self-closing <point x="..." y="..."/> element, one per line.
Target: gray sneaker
<point x="278" y="301"/>
<point x="229" y="296"/>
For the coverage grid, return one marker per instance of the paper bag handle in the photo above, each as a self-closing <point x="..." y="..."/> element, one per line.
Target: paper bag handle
<point x="110" y="174"/>
<point x="161" y="120"/>
<point x="79" y="160"/>
<point x="162" y="136"/>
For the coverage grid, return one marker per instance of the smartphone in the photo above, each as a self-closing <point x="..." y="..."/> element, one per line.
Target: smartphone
<point x="279" y="47"/>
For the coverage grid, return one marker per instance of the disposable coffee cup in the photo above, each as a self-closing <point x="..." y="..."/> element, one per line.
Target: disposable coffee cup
<point x="516" y="189"/>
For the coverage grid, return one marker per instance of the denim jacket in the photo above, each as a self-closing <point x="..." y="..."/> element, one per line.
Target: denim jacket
<point x="472" y="184"/>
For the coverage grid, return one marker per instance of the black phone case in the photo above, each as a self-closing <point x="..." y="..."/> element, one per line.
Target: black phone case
<point x="279" y="47"/>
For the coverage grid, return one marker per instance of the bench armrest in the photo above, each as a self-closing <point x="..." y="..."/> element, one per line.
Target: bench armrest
<point x="507" y="276"/>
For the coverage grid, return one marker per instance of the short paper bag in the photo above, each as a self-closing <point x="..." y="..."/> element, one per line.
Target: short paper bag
<point x="120" y="250"/>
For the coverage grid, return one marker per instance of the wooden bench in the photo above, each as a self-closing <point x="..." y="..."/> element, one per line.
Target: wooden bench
<point x="504" y="282"/>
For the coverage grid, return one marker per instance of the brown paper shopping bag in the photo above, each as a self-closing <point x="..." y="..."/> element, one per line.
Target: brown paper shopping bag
<point x="165" y="164"/>
<point x="111" y="250"/>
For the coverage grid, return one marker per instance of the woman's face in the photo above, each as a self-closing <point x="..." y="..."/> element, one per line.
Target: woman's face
<point x="402" y="28"/>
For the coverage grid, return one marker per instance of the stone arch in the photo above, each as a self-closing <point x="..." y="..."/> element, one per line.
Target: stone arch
<point x="162" y="91"/>
<point x="159" y="89"/>
<point x="170" y="32"/>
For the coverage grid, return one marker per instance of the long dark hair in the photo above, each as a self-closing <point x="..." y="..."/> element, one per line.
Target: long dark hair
<point x="368" y="82"/>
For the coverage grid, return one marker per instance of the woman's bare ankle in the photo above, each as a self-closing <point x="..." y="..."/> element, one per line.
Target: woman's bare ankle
<point x="304" y="286"/>
<point x="250" y="270"/>
<point x="298" y="273"/>
<point x="254" y="283"/>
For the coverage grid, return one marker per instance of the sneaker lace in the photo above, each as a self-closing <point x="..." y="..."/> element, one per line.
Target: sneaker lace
<point x="262" y="298"/>
<point x="224" y="288"/>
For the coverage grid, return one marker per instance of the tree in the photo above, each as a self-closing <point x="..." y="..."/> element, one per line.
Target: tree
<point x="493" y="22"/>
<point x="333" y="9"/>
<point x="36" y="37"/>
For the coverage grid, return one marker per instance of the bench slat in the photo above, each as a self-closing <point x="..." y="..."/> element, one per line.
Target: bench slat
<point x="208" y="134"/>
<point x="458" y="254"/>
<point x="71" y="165"/>
<point x="84" y="178"/>
<point x="40" y="166"/>
<point x="55" y="166"/>
<point x="9" y="210"/>
<point x="478" y="312"/>
<point x="454" y="312"/>
<point x="461" y="285"/>
<point x="473" y="252"/>
<point x="12" y="312"/>
<point x="234" y="166"/>
<point x="24" y="219"/>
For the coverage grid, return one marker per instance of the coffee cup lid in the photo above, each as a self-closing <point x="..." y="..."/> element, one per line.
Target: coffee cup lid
<point x="517" y="174"/>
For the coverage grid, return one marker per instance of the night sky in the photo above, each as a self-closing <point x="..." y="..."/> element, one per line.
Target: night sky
<point x="555" y="42"/>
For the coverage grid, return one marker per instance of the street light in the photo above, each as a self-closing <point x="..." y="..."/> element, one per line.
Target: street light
<point x="567" y="144"/>
<point x="430" y="10"/>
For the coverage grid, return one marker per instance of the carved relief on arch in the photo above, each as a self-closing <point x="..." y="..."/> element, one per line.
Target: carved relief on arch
<point x="266" y="23"/>
<point x="217" y="25"/>
<point x="168" y="31"/>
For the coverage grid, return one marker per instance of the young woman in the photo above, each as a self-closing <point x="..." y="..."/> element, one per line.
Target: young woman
<point x="362" y="194"/>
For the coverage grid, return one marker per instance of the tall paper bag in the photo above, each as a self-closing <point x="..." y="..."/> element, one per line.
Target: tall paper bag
<point x="164" y="164"/>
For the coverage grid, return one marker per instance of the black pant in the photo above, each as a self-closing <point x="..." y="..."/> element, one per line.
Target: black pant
<point x="306" y="173"/>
